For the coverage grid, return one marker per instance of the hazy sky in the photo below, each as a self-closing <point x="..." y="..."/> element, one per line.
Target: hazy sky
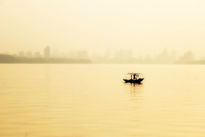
<point x="145" y="26"/>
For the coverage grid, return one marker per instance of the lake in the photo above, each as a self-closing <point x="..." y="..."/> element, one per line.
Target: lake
<point x="92" y="101"/>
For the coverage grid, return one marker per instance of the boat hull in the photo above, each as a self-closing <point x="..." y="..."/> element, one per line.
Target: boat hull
<point x="138" y="81"/>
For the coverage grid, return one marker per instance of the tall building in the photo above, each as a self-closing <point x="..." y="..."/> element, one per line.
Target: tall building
<point x="47" y="52"/>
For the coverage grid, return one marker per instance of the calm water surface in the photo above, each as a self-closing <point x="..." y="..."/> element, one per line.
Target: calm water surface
<point x="93" y="101"/>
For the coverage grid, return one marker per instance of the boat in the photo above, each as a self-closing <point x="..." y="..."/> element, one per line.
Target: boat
<point x="134" y="78"/>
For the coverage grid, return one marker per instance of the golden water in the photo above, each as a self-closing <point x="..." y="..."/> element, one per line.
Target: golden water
<point x="93" y="101"/>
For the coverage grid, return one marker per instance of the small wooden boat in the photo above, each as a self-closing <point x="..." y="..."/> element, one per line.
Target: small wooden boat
<point x="134" y="78"/>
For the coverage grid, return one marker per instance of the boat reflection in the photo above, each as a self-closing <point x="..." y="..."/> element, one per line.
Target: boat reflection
<point x="135" y="90"/>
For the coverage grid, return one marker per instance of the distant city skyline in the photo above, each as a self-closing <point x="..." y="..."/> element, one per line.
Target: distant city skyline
<point x="119" y="56"/>
<point x="48" y="51"/>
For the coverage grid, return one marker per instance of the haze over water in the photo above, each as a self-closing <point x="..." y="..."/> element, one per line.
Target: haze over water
<point x="93" y="101"/>
<point x="39" y="98"/>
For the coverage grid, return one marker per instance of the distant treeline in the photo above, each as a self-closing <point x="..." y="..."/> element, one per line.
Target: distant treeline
<point x="191" y="62"/>
<point x="5" y="58"/>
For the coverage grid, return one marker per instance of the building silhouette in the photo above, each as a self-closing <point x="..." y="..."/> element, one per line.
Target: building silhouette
<point x="47" y="52"/>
